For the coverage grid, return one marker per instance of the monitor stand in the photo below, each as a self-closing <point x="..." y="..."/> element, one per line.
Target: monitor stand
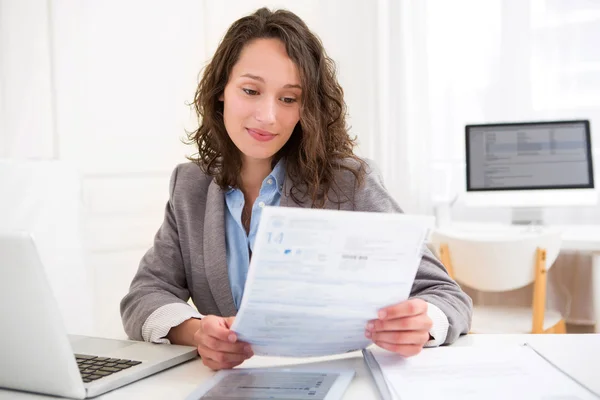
<point x="531" y="216"/>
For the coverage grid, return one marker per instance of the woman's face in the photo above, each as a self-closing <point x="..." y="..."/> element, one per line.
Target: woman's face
<point x="262" y="99"/>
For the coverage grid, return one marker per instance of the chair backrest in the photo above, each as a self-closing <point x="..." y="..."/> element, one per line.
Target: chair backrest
<point x="496" y="261"/>
<point x="43" y="198"/>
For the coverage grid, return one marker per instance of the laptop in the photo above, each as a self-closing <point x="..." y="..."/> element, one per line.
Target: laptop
<point x="36" y="353"/>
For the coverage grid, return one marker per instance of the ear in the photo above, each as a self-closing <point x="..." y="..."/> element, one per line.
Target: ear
<point x="221" y="97"/>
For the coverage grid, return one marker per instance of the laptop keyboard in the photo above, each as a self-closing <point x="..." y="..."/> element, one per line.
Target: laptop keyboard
<point x="93" y="368"/>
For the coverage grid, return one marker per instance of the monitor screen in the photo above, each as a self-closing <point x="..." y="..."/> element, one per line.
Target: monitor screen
<point x="525" y="156"/>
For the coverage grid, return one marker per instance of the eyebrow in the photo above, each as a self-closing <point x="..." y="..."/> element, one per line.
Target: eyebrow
<point x="261" y="79"/>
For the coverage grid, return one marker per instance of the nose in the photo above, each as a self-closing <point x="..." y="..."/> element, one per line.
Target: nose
<point x="266" y="111"/>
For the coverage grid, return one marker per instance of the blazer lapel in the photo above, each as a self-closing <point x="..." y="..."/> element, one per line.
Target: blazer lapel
<point x="215" y="260"/>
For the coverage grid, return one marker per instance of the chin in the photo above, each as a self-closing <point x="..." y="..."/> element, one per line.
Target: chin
<point x="259" y="155"/>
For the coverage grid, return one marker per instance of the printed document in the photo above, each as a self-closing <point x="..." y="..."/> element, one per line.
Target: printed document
<point x="318" y="276"/>
<point x="473" y="373"/>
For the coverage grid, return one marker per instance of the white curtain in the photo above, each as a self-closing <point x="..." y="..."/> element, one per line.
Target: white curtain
<point x="448" y="64"/>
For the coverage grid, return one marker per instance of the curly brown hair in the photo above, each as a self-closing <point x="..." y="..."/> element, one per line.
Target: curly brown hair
<point x="319" y="145"/>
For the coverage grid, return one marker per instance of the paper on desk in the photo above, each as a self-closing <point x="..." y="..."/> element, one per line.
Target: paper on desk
<point x="318" y="276"/>
<point x="465" y="373"/>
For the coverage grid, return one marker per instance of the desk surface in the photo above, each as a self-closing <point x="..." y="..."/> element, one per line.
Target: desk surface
<point x="577" y="355"/>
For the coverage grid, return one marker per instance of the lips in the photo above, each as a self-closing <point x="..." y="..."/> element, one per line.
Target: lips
<point x="260" y="135"/>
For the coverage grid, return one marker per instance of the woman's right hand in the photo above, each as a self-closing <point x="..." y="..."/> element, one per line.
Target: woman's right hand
<point x="218" y="345"/>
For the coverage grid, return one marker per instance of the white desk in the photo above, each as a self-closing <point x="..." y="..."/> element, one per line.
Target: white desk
<point x="582" y="238"/>
<point x="577" y="355"/>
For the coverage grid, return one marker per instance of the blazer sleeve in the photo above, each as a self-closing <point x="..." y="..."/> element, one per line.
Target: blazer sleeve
<point x="160" y="279"/>
<point x="432" y="282"/>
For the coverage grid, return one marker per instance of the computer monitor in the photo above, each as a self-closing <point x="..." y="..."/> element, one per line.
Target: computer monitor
<point x="530" y="164"/>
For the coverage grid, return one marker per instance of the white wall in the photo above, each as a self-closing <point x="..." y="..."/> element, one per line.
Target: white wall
<point x="39" y="195"/>
<point x="122" y="121"/>
<point x="104" y="84"/>
<point x="25" y="81"/>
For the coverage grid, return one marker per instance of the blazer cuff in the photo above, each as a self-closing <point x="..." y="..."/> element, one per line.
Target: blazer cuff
<point x="439" y="329"/>
<point x="160" y="322"/>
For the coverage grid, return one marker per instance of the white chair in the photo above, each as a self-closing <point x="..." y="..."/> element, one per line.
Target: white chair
<point x="43" y="197"/>
<point x="501" y="262"/>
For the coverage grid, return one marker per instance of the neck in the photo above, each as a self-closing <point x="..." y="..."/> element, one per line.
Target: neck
<point x="254" y="172"/>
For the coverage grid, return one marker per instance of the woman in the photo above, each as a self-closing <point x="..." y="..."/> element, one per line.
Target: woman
<point x="273" y="132"/>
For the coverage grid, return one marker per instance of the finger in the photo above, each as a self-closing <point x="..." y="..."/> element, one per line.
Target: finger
<point x="419" y="323"/>
<point x="407" y="308"/>
<point x="210" y="327"/>
<point x="217" y="328"/>
<point x="406" y="350"/>
<point x="221" y="357"/>
<point x="229" y="322"/>
<point x="214" y="365"/>
<point x="216" y="344"/>
<point x="406" y="337"/>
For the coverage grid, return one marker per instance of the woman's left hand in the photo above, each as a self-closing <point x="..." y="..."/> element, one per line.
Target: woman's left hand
<point x="402" y="328"/>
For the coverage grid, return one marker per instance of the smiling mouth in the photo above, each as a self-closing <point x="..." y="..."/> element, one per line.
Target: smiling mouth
<point x="260" y="135"/>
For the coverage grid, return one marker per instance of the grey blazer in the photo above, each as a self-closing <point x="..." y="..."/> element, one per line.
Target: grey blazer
<point x="188" y="255"/>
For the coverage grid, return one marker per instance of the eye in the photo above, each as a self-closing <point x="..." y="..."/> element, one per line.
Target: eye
<point x="250" y="92"/>
<point x="288" y="100"/>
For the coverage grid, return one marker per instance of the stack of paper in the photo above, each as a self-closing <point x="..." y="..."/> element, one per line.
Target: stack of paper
<point x="504" y="372"/>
